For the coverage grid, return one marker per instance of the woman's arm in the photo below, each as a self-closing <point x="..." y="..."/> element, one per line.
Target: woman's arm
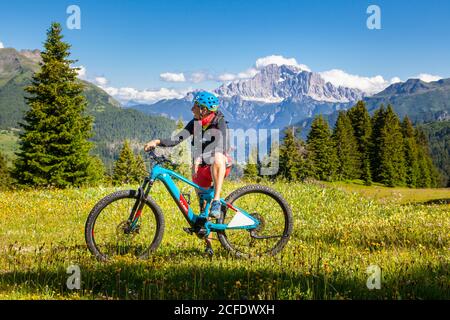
<point x="151" y="144"/>
<point x="182" y="135"/>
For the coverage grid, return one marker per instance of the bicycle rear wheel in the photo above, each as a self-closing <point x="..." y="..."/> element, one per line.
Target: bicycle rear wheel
<point x="274" y="214"/>
<point x="108" y="232"/>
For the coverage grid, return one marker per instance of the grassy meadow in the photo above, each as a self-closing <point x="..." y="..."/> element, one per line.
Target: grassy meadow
<point x="339" y="231"/>
<point x="400" y="195"/>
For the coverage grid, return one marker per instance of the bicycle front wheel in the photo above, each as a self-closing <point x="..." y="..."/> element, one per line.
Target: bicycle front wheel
<point x="273" y="213"/>
<point x="109" y="233"/>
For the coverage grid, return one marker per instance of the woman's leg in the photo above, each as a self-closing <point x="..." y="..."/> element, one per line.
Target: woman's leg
<point x="218" y="170"/>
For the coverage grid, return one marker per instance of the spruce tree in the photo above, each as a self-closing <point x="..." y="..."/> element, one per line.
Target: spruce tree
<point x="293" y="161"/>
<point x="321" y="151"/>
<point x="411" y="153"/>
<point x="348" y="157"/>
<point x="124" y="171"/>
<point x="392" y="161"/>
<point x="54" y="150"/>
<point x="378" y="123"/>
<point x="140" y="171"/>
<point x="96" y="172"/>
<point x="427" y="172"/>
<point x="362" y="127"/>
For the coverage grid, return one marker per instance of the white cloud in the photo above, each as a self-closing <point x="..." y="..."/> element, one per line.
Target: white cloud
<point x="247" y="74"/>
<point x="427" y="77"/>
<point x="395" y="80"/>
<point x="259" y="64"/>
<point x="197" y="77"/>
<point x="1" y="45"/>
<point x="101" y="81"/>
<point x="145" y="96"/>
<point x="227" y="77"/>
<point x="279" y="61"/>
<point x="82" y="72"/>
<point x="126" y="93"/>
<point x="200" y="76"/>
<point x="370" y="85"/>
<point x="172" y="77"/>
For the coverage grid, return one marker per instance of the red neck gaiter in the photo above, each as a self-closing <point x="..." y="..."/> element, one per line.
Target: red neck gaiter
<point x="206" y="121"/>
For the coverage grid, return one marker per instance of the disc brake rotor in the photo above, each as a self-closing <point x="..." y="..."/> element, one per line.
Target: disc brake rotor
<point x="260" y="227"/>
<point x="123" y="230"/>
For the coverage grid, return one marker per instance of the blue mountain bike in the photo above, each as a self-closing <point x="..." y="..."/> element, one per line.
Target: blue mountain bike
<point x="255" y="219"/>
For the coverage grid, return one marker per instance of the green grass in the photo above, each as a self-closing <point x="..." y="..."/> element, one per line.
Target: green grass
<point x="400" y="195"/>
<point x="337" y="236"/>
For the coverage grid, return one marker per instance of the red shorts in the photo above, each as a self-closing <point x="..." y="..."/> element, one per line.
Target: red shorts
<point x="204" y="178"/>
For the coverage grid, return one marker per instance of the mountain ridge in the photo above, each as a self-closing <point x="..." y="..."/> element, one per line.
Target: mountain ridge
<point x="276" y="83"/>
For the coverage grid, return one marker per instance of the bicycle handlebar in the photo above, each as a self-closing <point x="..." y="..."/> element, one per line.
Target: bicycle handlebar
<point x="159" y="159"/>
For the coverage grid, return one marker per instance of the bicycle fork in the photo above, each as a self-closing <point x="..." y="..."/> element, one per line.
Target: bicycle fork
<point x="136" y="211"/>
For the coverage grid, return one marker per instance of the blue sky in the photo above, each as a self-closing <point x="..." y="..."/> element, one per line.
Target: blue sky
<point x="131" y="43"/>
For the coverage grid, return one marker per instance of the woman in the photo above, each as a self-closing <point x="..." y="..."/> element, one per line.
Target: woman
<point x="211" y="163"/>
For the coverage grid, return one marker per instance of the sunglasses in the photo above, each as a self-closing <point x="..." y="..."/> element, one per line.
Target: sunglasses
<point x="199" y="106"/>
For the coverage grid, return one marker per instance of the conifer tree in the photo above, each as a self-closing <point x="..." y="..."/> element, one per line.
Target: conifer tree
<point x="96" y="171"/>
<point x="427" y="172"/>
<point x="54" y="150"/>
<point x="124" y="171"/>
<point x="321" y="151"/>
<point x="348" y="157"/>
<point x="392" y="161"/>
<point x="293" y="161"/>
<point x="411" y="153"/>
<point x="362" y="127"/>
<point x="378" y="123"/>
<point x="140" y="171"/>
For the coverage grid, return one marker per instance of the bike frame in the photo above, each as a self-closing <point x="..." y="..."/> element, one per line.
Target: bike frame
<point x="165" y="175"/>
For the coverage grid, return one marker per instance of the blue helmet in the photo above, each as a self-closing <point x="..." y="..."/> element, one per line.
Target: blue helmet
<point x="207" y="100"/>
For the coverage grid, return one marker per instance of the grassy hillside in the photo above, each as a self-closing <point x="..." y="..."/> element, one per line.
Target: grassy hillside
<point x="337" y="236"/>
<point x="397" y="195"/>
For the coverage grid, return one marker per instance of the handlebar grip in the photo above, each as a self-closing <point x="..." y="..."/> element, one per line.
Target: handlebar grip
<point x="159" y="159"/>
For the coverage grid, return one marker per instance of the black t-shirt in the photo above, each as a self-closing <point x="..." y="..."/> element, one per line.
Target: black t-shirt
<point x="205" y="142"/>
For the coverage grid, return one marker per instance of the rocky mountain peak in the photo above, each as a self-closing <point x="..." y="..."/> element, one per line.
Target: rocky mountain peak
<point x="13" y="61"/>
<point x="275" y="83"/>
